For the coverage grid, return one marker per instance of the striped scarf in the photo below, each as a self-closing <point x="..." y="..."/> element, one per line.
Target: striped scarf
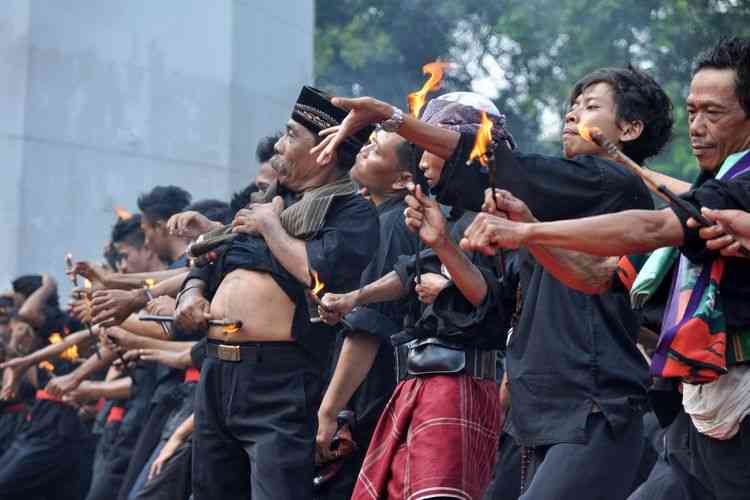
<point x="692" y="344"/>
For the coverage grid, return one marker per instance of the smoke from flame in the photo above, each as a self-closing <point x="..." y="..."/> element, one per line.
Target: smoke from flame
<point x="122" y="213"/>
<point x="416" y="100"/>
<point x="319" y="285"/>
<point x="483" y="141"/>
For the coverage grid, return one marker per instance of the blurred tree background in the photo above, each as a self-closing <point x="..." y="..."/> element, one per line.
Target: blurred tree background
<point x="524" y="54"/>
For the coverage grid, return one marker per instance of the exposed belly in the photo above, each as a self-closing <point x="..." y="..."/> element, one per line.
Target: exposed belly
<point x="254" y="298"/>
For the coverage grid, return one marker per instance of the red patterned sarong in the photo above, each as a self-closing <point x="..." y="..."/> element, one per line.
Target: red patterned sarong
<point x="436" y="437"/>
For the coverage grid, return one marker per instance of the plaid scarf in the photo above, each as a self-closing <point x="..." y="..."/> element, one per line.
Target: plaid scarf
<point x="692" y="344"/>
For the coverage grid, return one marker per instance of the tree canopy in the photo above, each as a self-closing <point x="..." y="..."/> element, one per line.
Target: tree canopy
<point x="524" y="54"/>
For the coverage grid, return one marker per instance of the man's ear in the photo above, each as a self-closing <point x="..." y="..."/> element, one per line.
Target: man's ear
<point x="401" y="182"/>
<point x="630" y="131"/>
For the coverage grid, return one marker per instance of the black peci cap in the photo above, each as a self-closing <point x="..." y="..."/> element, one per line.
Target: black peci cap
<point x="315" y="112"/>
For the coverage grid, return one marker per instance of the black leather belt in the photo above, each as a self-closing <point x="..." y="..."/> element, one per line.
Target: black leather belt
<point x="279" y="351"/>
<point x="477" y="363"/>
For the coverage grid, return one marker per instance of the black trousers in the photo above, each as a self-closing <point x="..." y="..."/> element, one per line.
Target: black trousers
<point x="173" y="482"/>
<point x="255" y="424"/>
<point x="603" y="468"/>
<point x="506" y="478"/>
<point x="147" y="440"/>
<point x="44" y="462"/>
<point x="697" y="467"/>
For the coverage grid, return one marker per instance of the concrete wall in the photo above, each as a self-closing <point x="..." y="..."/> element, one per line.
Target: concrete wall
<point x="103" y="100"/>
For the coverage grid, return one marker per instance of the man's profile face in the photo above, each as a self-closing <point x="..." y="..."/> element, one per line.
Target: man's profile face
<point x="156" y="237"/>
<point x="431" y="166"/>
<point x="718" y="126"/>
<point x="594" y="107"/>
<point x="132" y="259"/>
<point x="293" y="161"/>
<point x="377" y="167"/>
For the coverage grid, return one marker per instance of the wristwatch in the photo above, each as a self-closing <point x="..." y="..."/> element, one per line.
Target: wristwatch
<point x="393" y="123"/>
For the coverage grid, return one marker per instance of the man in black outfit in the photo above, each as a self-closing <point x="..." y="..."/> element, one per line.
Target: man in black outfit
<point x="576" y="379"/>
<point x="256" y="405"/>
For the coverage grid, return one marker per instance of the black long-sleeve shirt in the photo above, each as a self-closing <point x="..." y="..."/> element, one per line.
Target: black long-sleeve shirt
<point x="339" y="252"/>
<point x="570" y="351"/>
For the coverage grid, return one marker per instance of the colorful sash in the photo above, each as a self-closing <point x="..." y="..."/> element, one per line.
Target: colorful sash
<point x="692" y="344"/>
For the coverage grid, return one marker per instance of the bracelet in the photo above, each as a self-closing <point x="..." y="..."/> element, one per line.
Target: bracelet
<point x="182" y="292"/>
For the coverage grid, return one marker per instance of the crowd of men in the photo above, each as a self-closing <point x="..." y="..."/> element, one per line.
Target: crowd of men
<point x="377" y="316"/>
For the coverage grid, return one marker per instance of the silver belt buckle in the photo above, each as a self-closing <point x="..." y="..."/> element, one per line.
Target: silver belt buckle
<point x="228" y="352"/>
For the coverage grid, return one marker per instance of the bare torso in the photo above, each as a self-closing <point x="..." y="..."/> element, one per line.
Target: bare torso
<point x="254" y="298"/>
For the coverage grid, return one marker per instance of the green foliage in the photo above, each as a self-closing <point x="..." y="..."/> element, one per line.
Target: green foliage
<point x="537" y="48"/>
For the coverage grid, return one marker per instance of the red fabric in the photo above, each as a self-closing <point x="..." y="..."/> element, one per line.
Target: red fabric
<point x="192" y="375"/>
<point x="15" y="408"/>
<point x="100" y="404"/>
<point x="40" y="394"/>
<point x="116" y="414"/>
<point x="626" y="272"/>
<point x="436" y="437"/>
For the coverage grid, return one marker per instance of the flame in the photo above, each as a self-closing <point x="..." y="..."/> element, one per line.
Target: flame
<point x="319" y="285"/>
<point x="232" y="327"/>
<point x="149" y="282"/>
<point x="122" y="213"/>
<point x="417" y="99"/>
<point x="483" y="141"/>
<point x="586" y="132"/>
<point x="86" y="284"/>
<point x="46" y="365"/>
<point x="70" y="354"/>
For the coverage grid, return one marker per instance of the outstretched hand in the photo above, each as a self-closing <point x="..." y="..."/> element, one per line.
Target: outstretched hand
<point x="424" y="217"/>
<point x="363" y="111"/>
<point x="504" y="204"/>
<point x="730" y="234"/>
<point x="490" y="232"/>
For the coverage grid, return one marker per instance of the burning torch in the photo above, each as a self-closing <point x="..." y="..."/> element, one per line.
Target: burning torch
<point x="87" y="284"/>
<point x="416" y="101"/>
<point x="484" y="151"/>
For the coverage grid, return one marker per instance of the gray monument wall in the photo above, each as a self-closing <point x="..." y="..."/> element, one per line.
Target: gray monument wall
<point x="104" y="100"/>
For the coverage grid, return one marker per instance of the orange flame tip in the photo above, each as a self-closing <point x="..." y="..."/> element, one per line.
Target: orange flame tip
<point x="483" y="141"/>
<point x="416" y="100"/>
<point x="587" y="132"/>
<point x="122" y="213"/>
<point x="231" y="328"/>
<point x="319" y="285"/>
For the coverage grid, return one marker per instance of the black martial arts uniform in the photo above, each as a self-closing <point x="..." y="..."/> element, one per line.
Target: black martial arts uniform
<point x="576" y="379"/>
<point x="120" y="423"/>
<point x="255" y="419"/>
<point x="380" y="320"/>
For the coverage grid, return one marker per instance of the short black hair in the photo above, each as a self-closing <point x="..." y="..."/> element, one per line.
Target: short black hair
<point x="638" y="98"/>
<point x="241" y="199"/>
<point x="129" y="231"/>
<point x="730" y="53"/>
<point x="265" y="148"/>
<point x="30" y="283"/>
<point x="214" y="210"/>
<point x="163" y="202"/>
<point x="406" y="155"/>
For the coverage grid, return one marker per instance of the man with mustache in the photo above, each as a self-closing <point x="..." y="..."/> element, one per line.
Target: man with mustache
<point x="259" y="390"/>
